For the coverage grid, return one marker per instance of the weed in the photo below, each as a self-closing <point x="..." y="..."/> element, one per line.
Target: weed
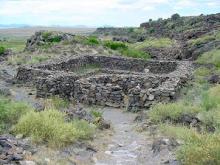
<point x="56" y="102"/>
<point x="154" y="42"/>
<point x="211" y="57"/>
<point x="37" y="59"/>
<point x="10" y="112"/>
<point x="211" y="119"/>
<point x="50" y="126"/>
<point x="50" y="37"/>
<point x="86" y="68"/>
<point x="172" y="111"/>
<point x="96" y="114"/>
<point x="205" y="38"/>
<point x="135" y="53"/>
<point x="202" y="71"/>
<point x="211" y="98"/>
<point x="115" y="45"/>
<point x="92" y="41"/>
<point x="46" y="35"/>
<point x="201" y="74"/>
<point x="197" y="148"/>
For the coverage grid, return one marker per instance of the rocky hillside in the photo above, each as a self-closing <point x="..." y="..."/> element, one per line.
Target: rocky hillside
<point x="191" y="35"/>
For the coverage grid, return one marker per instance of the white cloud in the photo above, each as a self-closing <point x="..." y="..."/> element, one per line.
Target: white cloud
<point x="92" y="12"/>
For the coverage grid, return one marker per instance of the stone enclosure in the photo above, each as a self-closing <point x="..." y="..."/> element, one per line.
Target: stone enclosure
<point x="108" y="80"/>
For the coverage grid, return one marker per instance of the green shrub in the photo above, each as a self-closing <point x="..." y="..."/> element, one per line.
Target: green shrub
<point x="135" y="53"/>
<point x="211" y="119"/>
<point x="46" y="35"/>
<point x="211" y="57"/>
<point x="115" y="45"/>
<point x="96" y="114"/>
<point x="154" y="42"/>
<point x="2" y="50"/>
<point x="205" y="38"/>
<point x="202" y="40"/>
<point x="202" y="71"/>
<point x="201" y="74"/>
<point x="55" y="39"/>
<point x="50" y="37"/>
<point x="92" y="41"/>
<point x="151" y="30"/>
<point x="10" y="112"/>
<point x="172" y="111"/>
<point x="126" y="50"/>
<point x="211" y="98"/>
<point x="50" y="126"/>
<point x="198" y="148"/>
<point x="56" y="102"/>
<point x="37" y="59"/>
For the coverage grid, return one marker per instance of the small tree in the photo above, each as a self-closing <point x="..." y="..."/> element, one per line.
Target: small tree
<point x="2" y="50"/>
<point x="175" y="16"/>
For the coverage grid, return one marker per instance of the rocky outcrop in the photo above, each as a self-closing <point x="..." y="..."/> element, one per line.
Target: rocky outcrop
<point x="5" y="54"/>
<point x="193" y="51"/>
<point x="43" y="38"/>
<point x="168" y="53"/>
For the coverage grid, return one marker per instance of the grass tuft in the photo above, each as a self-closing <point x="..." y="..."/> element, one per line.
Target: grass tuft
<point x="211" y="98"/>
<point x="154" y="42"/>
<point x="198" y="148"/>
<point x="115" y="45"/>
<point x="134" y="53"/>
<point x="205" y="38"/>
<point x="211" y="57"/>
<point x="172" y="111"/>
<point x="56" y="102"/>
<point x="10" y="112"/>
<point x="50" y="126"/>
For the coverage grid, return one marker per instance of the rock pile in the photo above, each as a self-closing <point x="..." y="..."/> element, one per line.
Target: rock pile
<point x="13" y="151"/>
<point x="45" y="37"/>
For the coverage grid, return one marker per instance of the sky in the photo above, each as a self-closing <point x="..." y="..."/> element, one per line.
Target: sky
<point x="98" y="13"/>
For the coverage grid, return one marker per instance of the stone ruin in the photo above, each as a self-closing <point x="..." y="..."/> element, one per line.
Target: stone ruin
<point x="108" y="80"/>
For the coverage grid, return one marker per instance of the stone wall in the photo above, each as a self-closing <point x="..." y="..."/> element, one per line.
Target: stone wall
<point x="110" y="62"/>
<point x="119" y="82"/>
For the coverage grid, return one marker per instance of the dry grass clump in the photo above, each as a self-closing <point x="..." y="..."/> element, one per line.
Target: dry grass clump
<point x="198" y="148"/>
<point x="50" y="126"/>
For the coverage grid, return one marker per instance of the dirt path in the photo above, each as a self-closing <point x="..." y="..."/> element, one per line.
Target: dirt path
<point x="126" y="146"/>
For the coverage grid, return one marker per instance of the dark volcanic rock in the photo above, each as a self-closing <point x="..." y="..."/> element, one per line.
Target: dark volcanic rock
<point x="162" y="143"/>
<point x="45" y="37"/>
<point x="214" y="79"/>
<point x="4" y="56"/>
<point x="12" y="150"/>
<point x="122" y="39"/>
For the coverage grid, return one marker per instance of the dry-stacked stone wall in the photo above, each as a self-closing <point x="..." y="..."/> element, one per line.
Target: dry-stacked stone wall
<point x="118" y="82"/>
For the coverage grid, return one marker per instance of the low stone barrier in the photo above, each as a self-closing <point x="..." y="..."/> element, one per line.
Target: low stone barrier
<point x="118" y="82"/>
